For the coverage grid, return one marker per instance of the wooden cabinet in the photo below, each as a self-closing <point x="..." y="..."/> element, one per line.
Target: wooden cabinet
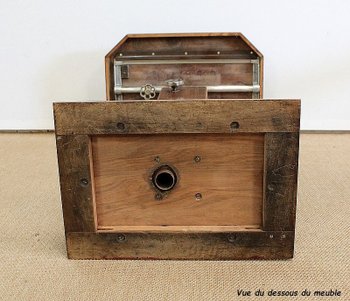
<point x="184" y="160"/>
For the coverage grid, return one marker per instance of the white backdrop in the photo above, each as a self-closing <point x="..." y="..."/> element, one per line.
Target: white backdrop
<point x="54" y="50"/>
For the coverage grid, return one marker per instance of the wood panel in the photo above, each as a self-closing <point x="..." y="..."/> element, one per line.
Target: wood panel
<point x="153" y="117"/>
<point x="75" y="122"/>
<point x="184" y="93"/>
<point x="178" y="44"/>
<point x="229" y="178"/>
<point x="208" y="246"/>
<point x="76" y="182"/>
<point x="192" y="74"/>
<point x="280" y="180"/>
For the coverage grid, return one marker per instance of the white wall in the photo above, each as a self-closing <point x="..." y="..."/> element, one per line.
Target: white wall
<point x="54" y="50"/>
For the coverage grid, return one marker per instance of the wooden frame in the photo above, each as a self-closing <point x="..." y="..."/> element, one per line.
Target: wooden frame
<point x="277" y="119"/>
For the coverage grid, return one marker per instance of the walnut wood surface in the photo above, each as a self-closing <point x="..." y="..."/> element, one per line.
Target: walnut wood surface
<point x="229" y="178"/>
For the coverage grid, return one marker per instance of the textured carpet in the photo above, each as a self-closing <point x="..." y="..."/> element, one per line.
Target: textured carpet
<point x="34" y="266"/>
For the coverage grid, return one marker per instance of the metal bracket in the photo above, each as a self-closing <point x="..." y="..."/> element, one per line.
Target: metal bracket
<point x="256" y="77"/>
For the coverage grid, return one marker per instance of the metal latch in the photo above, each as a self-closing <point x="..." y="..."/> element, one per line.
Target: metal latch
<point x="175" y="84"/>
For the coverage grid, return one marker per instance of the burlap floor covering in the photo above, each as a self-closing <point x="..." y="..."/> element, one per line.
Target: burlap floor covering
<point x="34" y="266"/>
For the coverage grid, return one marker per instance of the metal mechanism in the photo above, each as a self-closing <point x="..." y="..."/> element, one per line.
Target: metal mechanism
<point x="118" y="90"/>
<point x="175" y="84"/>
<point x="121" y="71"/>
<point x="256" y="77"/>
<point x="148" y="92"/>
<point x="164" y="178"/>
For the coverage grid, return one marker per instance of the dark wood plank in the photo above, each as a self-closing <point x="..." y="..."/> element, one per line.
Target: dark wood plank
<point x="155" y="117"/>
<point x="280" y="181"/>
<point x="75" y="178"/>
<point x="184" y="246"/>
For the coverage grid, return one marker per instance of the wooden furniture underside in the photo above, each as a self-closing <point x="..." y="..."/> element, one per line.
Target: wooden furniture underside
<point x="236" y="163"/>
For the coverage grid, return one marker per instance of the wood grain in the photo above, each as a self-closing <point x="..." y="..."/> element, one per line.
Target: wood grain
<point x="229" y="177"/>
<point x="155" y="117"/>
<point x="181" y="246"/>
<point x="192" y="74"/>
<point x="75" y="122"/>
<point x="280" y="181"/>
<point x="177" y="44"/>
<point x="184" y="93"/>
<point x="76" y="182"/>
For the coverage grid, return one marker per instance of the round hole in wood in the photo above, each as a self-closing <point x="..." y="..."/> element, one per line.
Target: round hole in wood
<point x="164" y="178"/>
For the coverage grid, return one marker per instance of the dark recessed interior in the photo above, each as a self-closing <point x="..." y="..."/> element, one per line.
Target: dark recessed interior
<point x="164" y="178"/>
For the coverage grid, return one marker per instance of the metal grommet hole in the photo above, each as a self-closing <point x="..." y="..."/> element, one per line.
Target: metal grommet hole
<point x="164" y="178"/>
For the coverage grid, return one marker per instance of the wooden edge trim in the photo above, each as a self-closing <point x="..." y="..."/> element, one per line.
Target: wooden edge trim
<point x="176" y="116"/>
<point x="261" y="77"/>
<point x="280" y="181"/>
<point x="178" y="229"/>
<point x="76" y="182"/>
<point x="181" y="246"/>
<point x="109" y="76"/>
<point x="112" y="52"/>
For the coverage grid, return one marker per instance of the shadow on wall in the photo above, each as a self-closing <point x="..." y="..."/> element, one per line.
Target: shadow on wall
<point x="72" y="77"/>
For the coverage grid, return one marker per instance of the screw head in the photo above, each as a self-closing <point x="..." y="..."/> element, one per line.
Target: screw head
<point x="197" y="159"/>
<point x="232" y="238"/>
<point x="121" y="126"/>
<point x="270" y="187"/>
<point x="234" y="125"/>
<point x="271" y="236"/>
<point x="158" y="196"/>
<point x="157" y="159"/>
<point x="121" y="237"/>
<point x="198" y="196"/>
<point x="84" y="182"/>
